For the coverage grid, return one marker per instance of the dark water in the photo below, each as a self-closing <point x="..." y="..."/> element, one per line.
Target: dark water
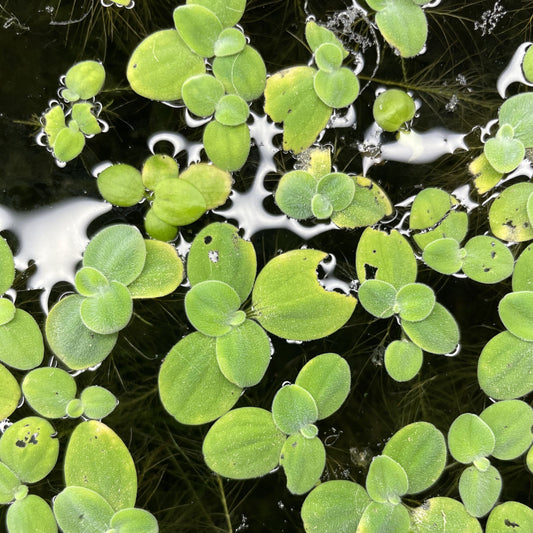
<point x="39" y="44"/>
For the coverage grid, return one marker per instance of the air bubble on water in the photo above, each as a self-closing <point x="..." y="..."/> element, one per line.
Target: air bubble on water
<point x="4" y="424"/>
<point x="179" y="143"/>
<point x="486" y="130"/>
<point x="281" y="505"/>
<point x="329" y="281"/>
<point x="243" y="525"/>
<point x="285" y="384"/>
<point x="433" y="3"/>
<point x="513" y="72"/>
<point x="100" y="167"/>
<point x="451" y="105"/>
<point x="103" y="125"/>
<point x="54" y="237"/>
<point x="292" y="341"/>
<point x="41" y="139"/>
<point x="378" y="356"/>
<point x="21" y="401"/>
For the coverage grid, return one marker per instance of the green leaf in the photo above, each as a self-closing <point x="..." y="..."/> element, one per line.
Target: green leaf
<point x="48" y="390"/>
<point x="178" y="203"/>
<point x="328" y="57"/>
<point x="90" y="282"/>
<point x="133" y="521"/>
<point x="118" y="252"/>
<point x="392" y="109"/>
<point x="31" y="513"/>
<point x="303" y="461"/>
<point x="81" y="510"/>
<point x="316" y="35"/>
<point x="369" y="205"/>
<point x="295" y="193"/>
<point x="527" y="64"/>
<point x="523" y="271"/>
<point x="201" y="94"/>
<point x="414" y="302"/>
<point x="30" y="448"/>
<point x="218" y="253"/>
<point x="508" y="216"/>
<point x="71" y="341"/>
<point x="480" y="490"/>
<point x="9" y="393"/>
<point x="74" y="408"/>
<point x="159" y="167"/>
<point x="377" y="297"/>
<point x="157" y="228"/>
<point x="162" y="272"/>
<point x="505" y="367"/>
<point x="211" y="307"/>
<point x="516" y="313"/>
<point x="443" y="514"/>
<point x="444" y="255"/>
<point x="289" y="301"/>
<point x="403" y="25"/>
<point x="321" y="207"/>
<point x="243" y="354"/>
<point x="121" y="185"/>
<point x="213" y="183"/>
<point x="338" y="188"/>
<point x="334" y="507"/>
<point x="338" y="88"/>
<point x="82" y="114"/>
<point x="244" y="443"/>
<point x="229" y="12"/>
<point x="429" y="207"/>
<point x="191" y="386"/>
<point x="389" y="257"/>
<point x="420" y="449"/>
<point x="160" y="65"/>
<point x="54" y="122"/>
<point x="293" y="408"/>
<point x="386" y="481"/>
<point x="227" y="146"/>
<point x="109" y="311"/>
<point x="97" y="459"/>
<point x="7" y="311"/>
<point x="68" y="145"/>
<point x="85" y="80"/>
<point x="243" y="73"/>
<point x="504" y="152"/>
<point x="403" y="360"/>
<point x="9" y="484"/>
<point x="508" y="516"/>
<point x="486" y="177"/>
<point x="327" y="378"/>
<point x="470" y="438"/>
<point x="437" y="333"/>
<point x="7" y="266"/>
<point x="290" y="98"/>
<point x="232" y="110"/>
<point x="384" y="518"/>
<point x="231" y="41"/>
<point x="454" y="225"/>
<point x="516" y="111"/>
<point x="21" y="342"/>
<point x="199" y="27"/>
<point x="510" y="421"/>
<point x="97" y="402"/>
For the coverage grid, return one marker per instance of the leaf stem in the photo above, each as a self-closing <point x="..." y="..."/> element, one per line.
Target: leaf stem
<point x="224" y="504"/>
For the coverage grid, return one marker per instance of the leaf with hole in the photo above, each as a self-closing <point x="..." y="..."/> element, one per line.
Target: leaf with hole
<point x="509" y="515"/>
<point x="487" y="260"/>
<point x="289" y="301"/>
<point x="30" y="448"/>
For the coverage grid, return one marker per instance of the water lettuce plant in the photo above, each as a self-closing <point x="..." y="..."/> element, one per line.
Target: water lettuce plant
<point x="66" y="140"/>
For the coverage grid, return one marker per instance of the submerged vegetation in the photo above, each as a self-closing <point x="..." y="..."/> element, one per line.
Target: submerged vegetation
<point x="354" y="321"/>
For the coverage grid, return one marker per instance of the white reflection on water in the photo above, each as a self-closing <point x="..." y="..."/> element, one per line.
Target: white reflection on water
<point x="54" y="237"/>
<point x="513" y="71"/>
